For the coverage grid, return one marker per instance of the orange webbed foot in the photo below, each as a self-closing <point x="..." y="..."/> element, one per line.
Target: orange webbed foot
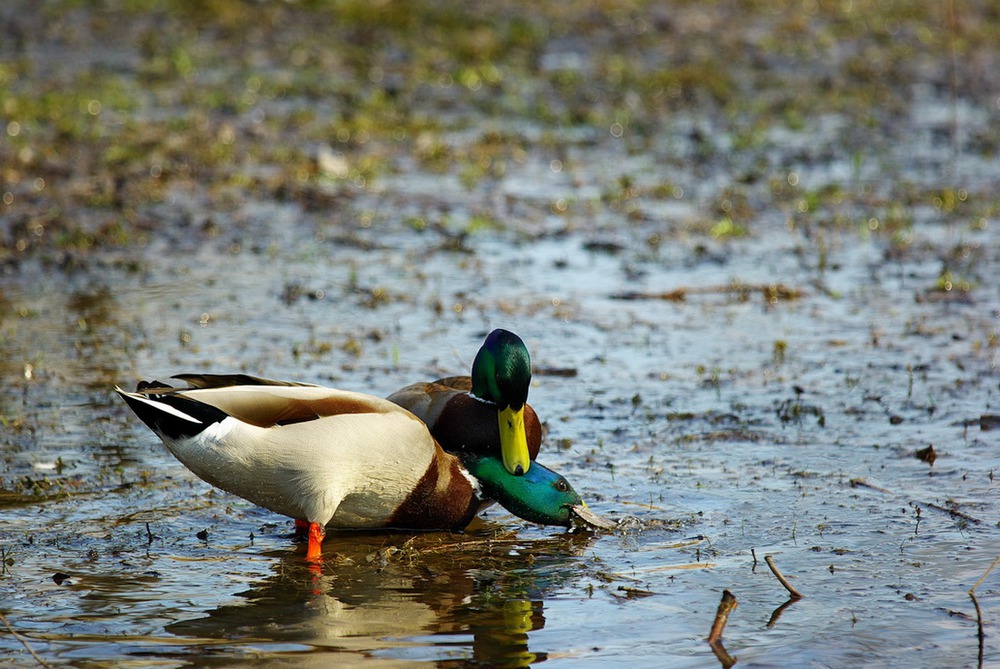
<point x="315" y="551"/>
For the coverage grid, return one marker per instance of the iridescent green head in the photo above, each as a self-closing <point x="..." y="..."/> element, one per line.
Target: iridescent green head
<point x="501" y="371"/>
<point x="539" y="495"/>
<point x="501" y="374"/>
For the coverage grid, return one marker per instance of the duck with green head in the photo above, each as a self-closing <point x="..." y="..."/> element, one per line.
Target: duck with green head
<point x="486" y="413"/>
<point x="337" y="459"/>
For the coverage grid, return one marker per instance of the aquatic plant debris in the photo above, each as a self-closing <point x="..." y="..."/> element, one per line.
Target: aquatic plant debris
<point x="772" y="292"/>
<point x="588" y="518"/>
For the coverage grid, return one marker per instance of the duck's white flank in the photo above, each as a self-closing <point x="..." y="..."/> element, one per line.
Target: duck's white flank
<point x="343" y="460"/>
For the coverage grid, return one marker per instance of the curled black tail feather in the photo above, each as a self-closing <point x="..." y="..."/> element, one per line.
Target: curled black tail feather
<point x="148" y="386"/>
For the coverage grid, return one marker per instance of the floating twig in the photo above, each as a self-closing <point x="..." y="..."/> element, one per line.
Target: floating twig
<point x="24" y="642"/>
<point x="781" y="579"/>
<point x="634" y="593"/>
<point x="954" y="513"/>
<point x="861" y="483"/>
<point x="773" y="292"/>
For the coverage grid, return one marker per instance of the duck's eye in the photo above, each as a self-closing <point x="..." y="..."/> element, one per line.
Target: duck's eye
<point x="562" y="486"/>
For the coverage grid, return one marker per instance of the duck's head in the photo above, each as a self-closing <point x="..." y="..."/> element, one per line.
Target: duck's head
<point x="501" y="374"/>
<point x="539" y="495"/>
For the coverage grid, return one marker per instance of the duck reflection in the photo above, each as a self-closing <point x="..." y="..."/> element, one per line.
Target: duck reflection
<point x="437" y="596"/>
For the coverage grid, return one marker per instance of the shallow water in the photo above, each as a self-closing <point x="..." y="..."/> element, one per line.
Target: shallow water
<point x="678" y="412"/>
<point x="738" y="422"/>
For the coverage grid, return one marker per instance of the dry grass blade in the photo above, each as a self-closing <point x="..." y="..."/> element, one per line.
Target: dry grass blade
<point x="23" y="641"/>
<point x="985" y="574"/>
<point x="979" y="612"/>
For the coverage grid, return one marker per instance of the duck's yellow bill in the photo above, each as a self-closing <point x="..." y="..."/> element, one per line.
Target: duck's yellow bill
<point x="513" y="441"/>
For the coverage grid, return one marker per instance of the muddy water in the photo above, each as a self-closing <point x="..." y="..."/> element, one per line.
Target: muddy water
<point x="727" y="391"/>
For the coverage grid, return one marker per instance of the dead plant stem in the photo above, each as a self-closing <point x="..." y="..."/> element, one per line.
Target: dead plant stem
<point x="24" y="642"/>
<point x="781" y="579"/>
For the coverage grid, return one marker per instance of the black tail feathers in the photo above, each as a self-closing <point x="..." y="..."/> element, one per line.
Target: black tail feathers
<point x="169" y="414"/>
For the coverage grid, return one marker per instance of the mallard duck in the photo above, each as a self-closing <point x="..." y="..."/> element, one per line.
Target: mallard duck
<point x="487" y="412"/>
<point x="337" y="459"/>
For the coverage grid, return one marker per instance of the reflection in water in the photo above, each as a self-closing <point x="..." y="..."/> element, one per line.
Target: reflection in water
<point x="401" y="597"/>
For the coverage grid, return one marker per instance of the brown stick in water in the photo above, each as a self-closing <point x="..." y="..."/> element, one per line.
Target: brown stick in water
<point x="727" y="605"/>
<point x="781" y="579"/>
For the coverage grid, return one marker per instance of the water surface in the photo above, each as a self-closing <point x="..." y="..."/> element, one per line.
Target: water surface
<point x="745" y="326"/>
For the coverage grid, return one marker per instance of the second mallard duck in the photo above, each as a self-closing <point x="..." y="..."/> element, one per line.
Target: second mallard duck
<point x="486" y="413"/>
